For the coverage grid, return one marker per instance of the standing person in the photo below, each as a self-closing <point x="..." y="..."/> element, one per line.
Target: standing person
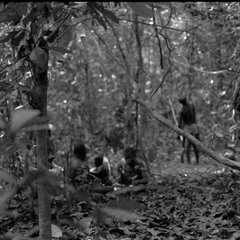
<point x="187" y="121"/>
<point x="132" y="171"/>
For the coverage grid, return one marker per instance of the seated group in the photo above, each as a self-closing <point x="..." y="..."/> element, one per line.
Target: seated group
<point x="130" y="170"/>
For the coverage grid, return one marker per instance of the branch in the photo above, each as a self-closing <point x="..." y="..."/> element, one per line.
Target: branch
<point x="119" y="47"/>
<point x="124" y="58"/>
<point x="217" y="157"/>
<point x="172" y="110"/>
<point x="202" y="42"/>
<point x="150" y="24"/>
<point x="200" y="70"/>
<point x="106" y="47"/>
<point x="161" y="83"/>
<point x="158" y="38"/>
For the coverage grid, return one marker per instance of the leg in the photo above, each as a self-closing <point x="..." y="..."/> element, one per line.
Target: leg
<point x="182" y="156"/>
<point x="196" y="153"/>
<point x="196" y="149"/>
<point x="183" y="151"/>
<point x="187" y="150"/>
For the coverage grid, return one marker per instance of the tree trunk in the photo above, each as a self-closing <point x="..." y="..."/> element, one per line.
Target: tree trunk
<point x="142" y="133"/>
<point x="44" y="204"/>
<point x="88" y="90"/>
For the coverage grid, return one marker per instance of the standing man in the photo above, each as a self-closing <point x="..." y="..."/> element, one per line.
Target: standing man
<point x="187" y="121"/>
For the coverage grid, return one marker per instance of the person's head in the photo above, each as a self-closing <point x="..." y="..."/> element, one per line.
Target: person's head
<point x="98" y="160"/>
<point x="183" y="100"/>
<point x="49" y="133"/>
<point x="80" y="151"/>
<point x="130" y="156"/>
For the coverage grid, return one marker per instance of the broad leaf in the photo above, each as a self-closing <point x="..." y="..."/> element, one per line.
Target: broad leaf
<point x="110" y="15"/>
<point x="39" y="57"/>
<point x="30" y="18"/>
<point x="10" y="36"/>
<point x="22" y="7"/>
<point x="53" y="36"/>
<point x="82" y="225"/>
<point x="4" y="146"/>
<point x="101" y="21"/>
<point x="9" y="14"/>
<point x="159" y="5"/>
<point x="56" y="231"/>
<point x="141" y="9"/>
<point x="12" y="149"/>
<point x="6" y="177"/>
<point x="127" y="189"/>
<point x="123" y="215"/>
<point x="4" y="196"/>
<point x="129" y="205"/>
<point x="18" y="38"/>
<point x="20" y="117"/>
<point x="24" y="142"/>
<point x="85" y="223"/>
<point x="60" y="49"/>
<point x="3" y="124"/>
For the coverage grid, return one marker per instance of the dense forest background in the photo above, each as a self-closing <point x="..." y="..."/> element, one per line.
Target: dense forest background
<point x="186" y="49"/>
<point x="194" y="52"/>
<point x="85" y="70"/>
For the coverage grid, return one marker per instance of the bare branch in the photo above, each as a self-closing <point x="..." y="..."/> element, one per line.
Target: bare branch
<point x="107" y="48"/>
<point x="120" y="47"/>
<point x="161" y="83"/>
<point x="201" y="70"/>
<point x="172" y="110"/>
<point x="150" y="24"/>
<point x="158" y="38"/>
<point x="197" y="39"/>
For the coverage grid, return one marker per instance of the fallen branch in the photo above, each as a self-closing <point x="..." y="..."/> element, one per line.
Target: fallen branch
<point x="216" y="156"/>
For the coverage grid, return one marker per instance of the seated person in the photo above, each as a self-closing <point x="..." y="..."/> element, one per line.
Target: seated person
<point x="131" y="170"/>
<point x="79" y="171"/>
<point x="101" y="171"/>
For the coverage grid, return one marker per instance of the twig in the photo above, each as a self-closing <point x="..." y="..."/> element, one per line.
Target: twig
<point x="161" y="83"/>
<point x="172" y="110"/>
<point x="158" y="38"/>
<point x="106" y="46"/>
<point x="129" y="79"/>
<point x="149" y="24"/>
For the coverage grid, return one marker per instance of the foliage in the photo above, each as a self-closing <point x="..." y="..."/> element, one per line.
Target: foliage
<point x="96" y="76"/>
<point x="102" y="56"/>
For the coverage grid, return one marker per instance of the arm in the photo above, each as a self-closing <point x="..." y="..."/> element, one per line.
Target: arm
<point x="98" y="169"/>
<point x="142" y="169"/>
<point x="180" y="121"/>
<point x="72" y="174"/>
<point x="120" y="167"/>
<point x="180" y="125"/>
<point x="193" y="109"/>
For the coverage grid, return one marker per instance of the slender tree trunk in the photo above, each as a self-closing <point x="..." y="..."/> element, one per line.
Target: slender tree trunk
<point x="88" y="89"/>
<point x="39" y="102"/>
<point x="42" y="156"/>
<point x="142" y="135"/>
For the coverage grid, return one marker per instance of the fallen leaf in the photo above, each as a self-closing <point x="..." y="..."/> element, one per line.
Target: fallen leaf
<point x="21" y="117"/>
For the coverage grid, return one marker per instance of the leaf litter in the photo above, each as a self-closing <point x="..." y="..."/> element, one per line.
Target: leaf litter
<point x="187" y="204"/>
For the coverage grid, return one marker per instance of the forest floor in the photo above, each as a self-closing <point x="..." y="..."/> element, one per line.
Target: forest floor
<point x="183" y="202"/>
